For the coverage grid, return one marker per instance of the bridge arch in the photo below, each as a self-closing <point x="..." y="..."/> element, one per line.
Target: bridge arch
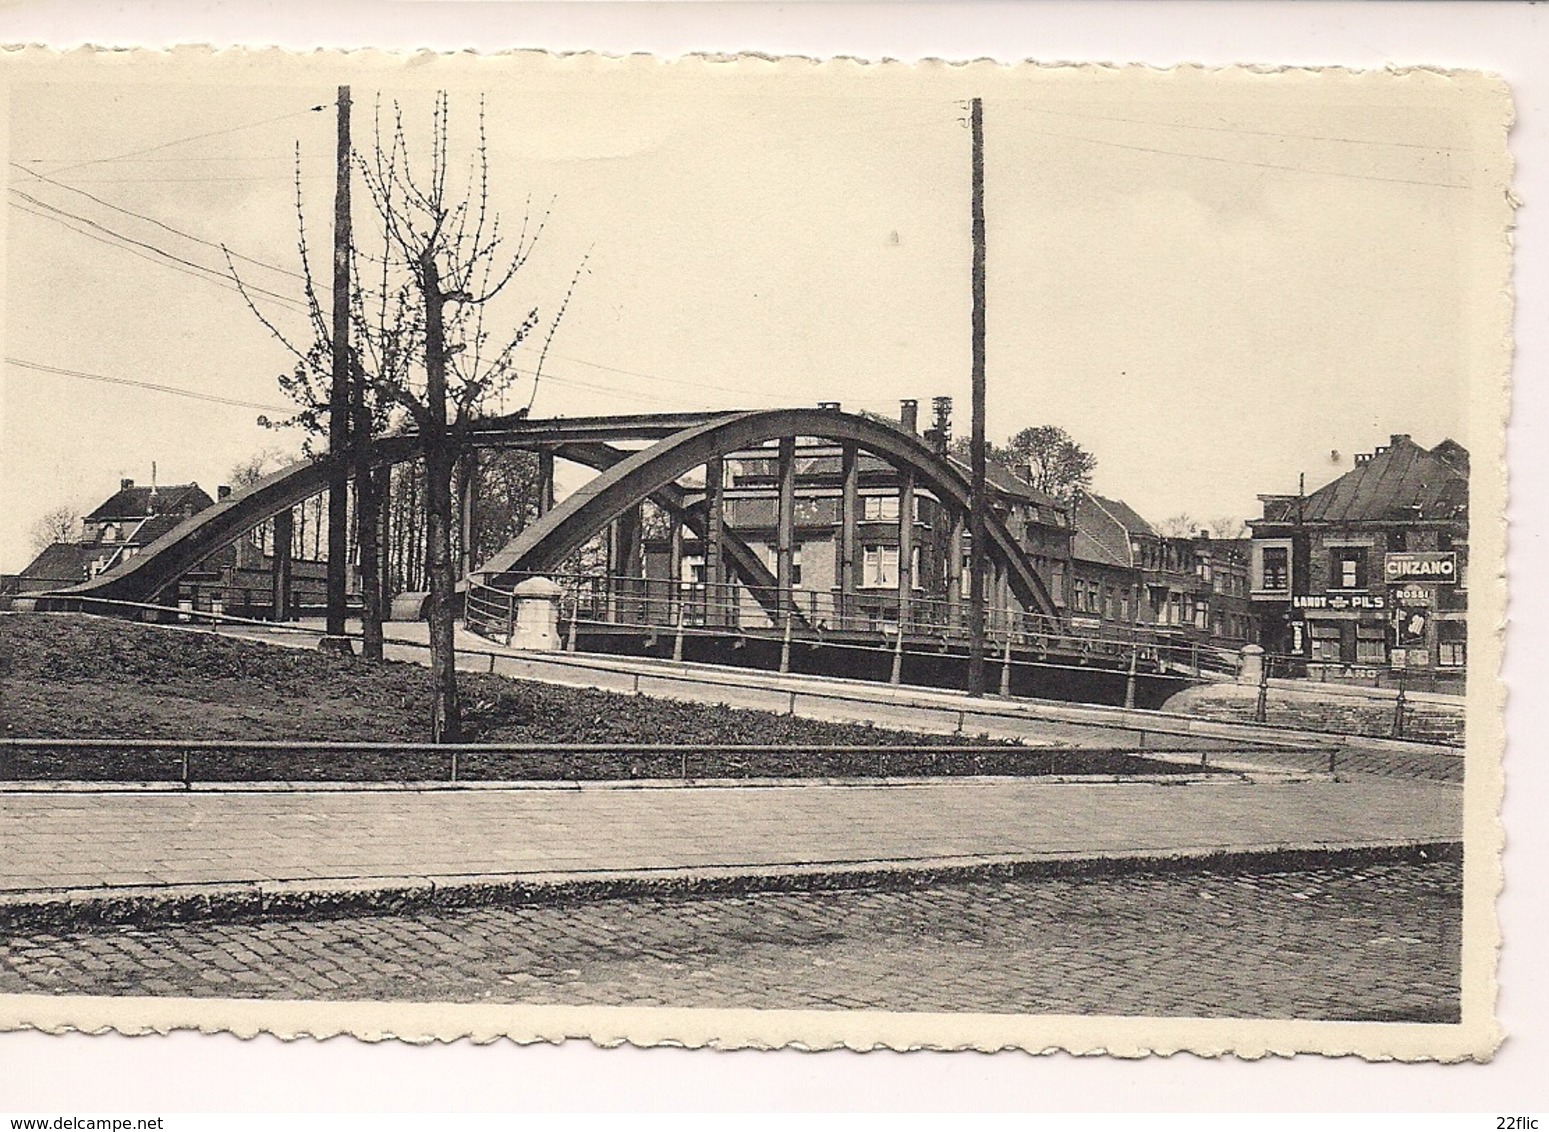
<point x="542" y="547"/>
<point x="682" y="442"/>
<point x="143" y="577"/>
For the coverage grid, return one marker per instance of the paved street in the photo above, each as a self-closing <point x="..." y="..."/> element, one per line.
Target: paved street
<point x="54" y="840"/>
<point x="1374" y="942"/>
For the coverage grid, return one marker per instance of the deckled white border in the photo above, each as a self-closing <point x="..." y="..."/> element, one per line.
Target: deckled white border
<point x="1478" y="510"/>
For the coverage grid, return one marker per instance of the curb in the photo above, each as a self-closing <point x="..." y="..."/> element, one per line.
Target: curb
<point x="147" y="906"/>
<point x="1219" y="773"/>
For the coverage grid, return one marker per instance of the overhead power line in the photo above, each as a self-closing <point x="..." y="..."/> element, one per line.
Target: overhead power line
<point x="193" y="394"/>
<point x="161" y="224"/>
<point x="190" y="138"/>
<point x="209" y="274"/>
<point x="1239" y="130"/>
<point x="1255" y="164"/>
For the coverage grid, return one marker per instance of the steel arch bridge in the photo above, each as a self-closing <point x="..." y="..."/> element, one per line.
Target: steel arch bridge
<point x="543" y="546"/>
<point x="679" y="443"/>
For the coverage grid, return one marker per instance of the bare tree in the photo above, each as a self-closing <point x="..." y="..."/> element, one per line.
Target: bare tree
<point x="1229" y="528"/>
<point x="61" y="524"/>
<point x="425" y="351"/>
<point x="310" y="384"/>
<point x="445" y="262"/>
<point x="1181" y="525"/>
<point x="248" y="471"/>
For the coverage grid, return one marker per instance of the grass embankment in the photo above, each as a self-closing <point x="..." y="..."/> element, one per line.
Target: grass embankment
<point x="65" y="676"/>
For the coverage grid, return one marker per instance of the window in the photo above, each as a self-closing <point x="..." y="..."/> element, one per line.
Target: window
<point x="1452" y="644"/>
<point x="880" y="508"/>
<point x="1371" y="644"/>
<point x="1398" y="541"/>
<point x="1325" y="641"/>
<point x="880" y="566"/>
<point x="1348" y="568"/>
<point x="1277" y="568"/>
<point x="774" y="563"/>
<point x="1201" y="615"/>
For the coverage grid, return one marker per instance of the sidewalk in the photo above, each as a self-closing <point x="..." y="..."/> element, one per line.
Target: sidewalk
<point x="68" y="858"/>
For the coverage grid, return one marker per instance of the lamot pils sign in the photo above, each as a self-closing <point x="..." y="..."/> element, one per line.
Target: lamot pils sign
<point x="1421" y="566"/>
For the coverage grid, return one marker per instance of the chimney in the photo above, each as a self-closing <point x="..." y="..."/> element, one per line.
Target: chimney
<point x="222" y="491"/>
<point x="1398" y="438"/>
<point x="829" y="406"/>
<point x="125" y="485"/>
<point x="909" y="415"/>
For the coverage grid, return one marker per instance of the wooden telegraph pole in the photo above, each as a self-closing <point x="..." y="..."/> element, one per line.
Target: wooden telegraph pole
<point x="339" y="406"/>
<point x="977" y="559"/>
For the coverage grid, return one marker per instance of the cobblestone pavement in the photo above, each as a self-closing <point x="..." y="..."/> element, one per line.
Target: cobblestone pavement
<point x="1375" y="942"/>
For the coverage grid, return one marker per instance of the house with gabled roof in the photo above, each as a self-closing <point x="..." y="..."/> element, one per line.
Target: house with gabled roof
<point x="1369" y="573"/>
<point x="236" y="579"/>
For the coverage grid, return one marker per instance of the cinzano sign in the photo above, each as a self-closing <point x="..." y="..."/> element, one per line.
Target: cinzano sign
<point x="1421" y="566"/>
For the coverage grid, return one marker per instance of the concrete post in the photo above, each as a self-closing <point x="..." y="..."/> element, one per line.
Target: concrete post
<point x="1251" y="667"/>
<point x="537" y="615"/>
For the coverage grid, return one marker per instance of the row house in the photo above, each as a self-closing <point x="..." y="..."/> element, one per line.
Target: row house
<point x="1189" y="589"/>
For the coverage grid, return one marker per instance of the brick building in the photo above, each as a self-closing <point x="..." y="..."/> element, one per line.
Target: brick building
<point x="1370" y="571"/>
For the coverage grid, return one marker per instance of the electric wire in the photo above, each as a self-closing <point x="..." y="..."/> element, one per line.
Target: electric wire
<point x="1239" y="130"/>
<point x="191" y="138"/>
<point x="192" y="394"/>
<point x="210" y="274"/>
<point x="161" y="224"/>
<point x="1255" y="164"/>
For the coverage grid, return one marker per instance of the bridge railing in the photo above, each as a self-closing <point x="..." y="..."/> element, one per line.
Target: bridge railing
<point x="662" y="604"/>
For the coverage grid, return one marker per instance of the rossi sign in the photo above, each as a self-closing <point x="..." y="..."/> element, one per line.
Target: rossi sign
<point x="1422" y="566"/>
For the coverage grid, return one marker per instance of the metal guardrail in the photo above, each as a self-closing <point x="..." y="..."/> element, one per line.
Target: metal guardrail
<point x="214" y="621"/>
<point x="689" y="609"/>
<point x="451" y="761"/>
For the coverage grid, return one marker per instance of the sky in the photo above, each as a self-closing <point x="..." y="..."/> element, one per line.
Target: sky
<point x="1213" y="282"/>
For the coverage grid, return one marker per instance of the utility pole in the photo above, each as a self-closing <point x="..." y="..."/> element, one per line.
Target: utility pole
<point x="976" y="501"/>
<point x="339" y="406"/>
